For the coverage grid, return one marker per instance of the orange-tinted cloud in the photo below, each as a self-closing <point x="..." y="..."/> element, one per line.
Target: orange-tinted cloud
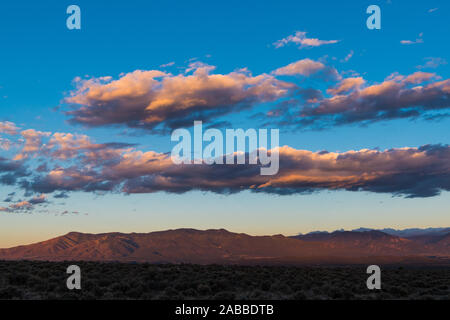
<point x="151" y="99"/>
<point x="412" y="172"/>
<point x="308" y="67"/>
<point x="33" y="143"/>
<point x="75" y="163"/>
<point x="346" y="85"/>
<point x="8" y="128"/>
<point x="354" y="101"/>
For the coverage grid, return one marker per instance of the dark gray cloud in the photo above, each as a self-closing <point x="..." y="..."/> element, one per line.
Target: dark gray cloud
<point x="61" y="195"/>
<point x="11" y="171"/>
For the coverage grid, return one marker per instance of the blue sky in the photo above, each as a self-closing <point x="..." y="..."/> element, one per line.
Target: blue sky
<point x="41" y="58"/>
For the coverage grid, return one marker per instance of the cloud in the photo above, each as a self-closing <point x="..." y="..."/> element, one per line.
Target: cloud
<point x="157" y="100"/>
<point x="411" y="42"/>
<point x="418" y="40"/>
<point x="432" y="63"/>
<point x="347" y="85"/>
<point x="5" y="144"/>
<point x="169" y="64"/>
<point x="419" y="77"/>
<point x="305" y="67"/>
<point x="160" y="102"/>
<point x="299" y="38"/>
<point x="33" y="142"/>
<point x="410" y="172"/>
<point x="51" y="150"/>
<point x="26" y="205"/>
<point x="354" y="101"/>
<point x="38" y="199"/>
<point x="75" y="163"/>
<point x="8" y="128"/>
<point x="66" y="145"/>
<point x="308" y="67"/>
<point x="348" y="56"/>
<point x="61" y="195"/>
<point x="432" y="10"/>
<point x="11" y="171"/>
<point x="10" y="197"/>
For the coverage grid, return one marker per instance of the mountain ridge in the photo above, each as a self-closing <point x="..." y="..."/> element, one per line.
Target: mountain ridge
<point x="223" y="247"/>
<point x="408" y="232"/>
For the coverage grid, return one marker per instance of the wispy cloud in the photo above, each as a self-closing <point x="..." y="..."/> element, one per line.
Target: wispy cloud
<point x="432" y="63"/>
<point x="348" y="56"/>
<point x="418" y="40"/>
<point x="299" y="38"/>
<point x="169" y="64"/>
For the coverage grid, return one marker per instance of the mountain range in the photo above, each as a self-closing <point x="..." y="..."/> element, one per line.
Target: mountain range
<point x="224" y="247"/>
<point x="406" y="233"/>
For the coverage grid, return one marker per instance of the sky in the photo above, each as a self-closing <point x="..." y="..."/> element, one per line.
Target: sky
<point x="86" y="115"/>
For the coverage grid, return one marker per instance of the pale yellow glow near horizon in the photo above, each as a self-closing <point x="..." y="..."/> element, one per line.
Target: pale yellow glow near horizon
<point x="253" y="214"/>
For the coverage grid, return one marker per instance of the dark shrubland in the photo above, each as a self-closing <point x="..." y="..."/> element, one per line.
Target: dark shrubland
<point x="47" y="280"/>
